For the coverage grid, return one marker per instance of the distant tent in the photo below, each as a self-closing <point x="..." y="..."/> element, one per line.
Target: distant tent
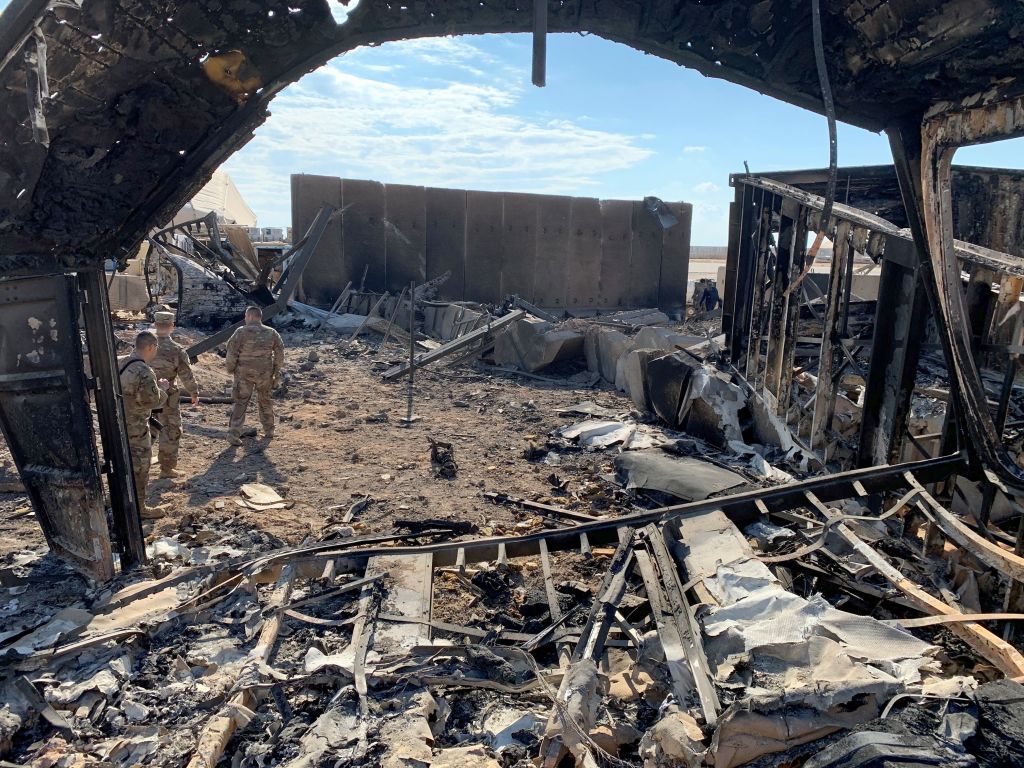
<point x="221" y="196"/>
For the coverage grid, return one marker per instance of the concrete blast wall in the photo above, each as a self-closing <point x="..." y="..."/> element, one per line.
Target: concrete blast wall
<point x="573" y="253"/>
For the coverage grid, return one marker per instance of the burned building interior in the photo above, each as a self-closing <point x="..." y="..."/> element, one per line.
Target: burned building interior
<point x="522" y="507"/>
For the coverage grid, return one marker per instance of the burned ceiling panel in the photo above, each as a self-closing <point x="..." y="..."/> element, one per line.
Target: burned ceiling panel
<point x="139" y="102"/>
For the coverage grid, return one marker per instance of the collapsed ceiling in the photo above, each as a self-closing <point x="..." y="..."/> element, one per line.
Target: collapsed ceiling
<point x="116" y="112"/>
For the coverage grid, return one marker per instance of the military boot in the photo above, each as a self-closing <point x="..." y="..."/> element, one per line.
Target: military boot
<point x="169" y="473"/>
<point x="153" y="513"/>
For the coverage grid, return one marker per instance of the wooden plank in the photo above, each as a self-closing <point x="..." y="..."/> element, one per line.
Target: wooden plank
<point x="220" y="728"/>
<point x="994" y="649"/>
<point x="645" y="258"/>
<point x="446" y="240"/>
<point x="327" y="271"/>
<point x="518" y="245"/>
<point x="792" y="316"/>
<point x="483" y="246"/>
<point x="550" y="279"/>
<point x="616" y="240"/>
<point x="779" y="304"/>
<point x="825" y="392"/>
<point x="363" y="228"/>
<point x="584" y="265"/>
<point x="675" y="259"/>
<point x="405" y="235"/>
<point x="757" y="304"/>
<point x="991" y="554"/>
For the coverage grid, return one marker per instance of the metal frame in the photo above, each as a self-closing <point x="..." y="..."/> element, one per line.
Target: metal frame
<point x="285" y="287"/>
<point x="764" y="328"/>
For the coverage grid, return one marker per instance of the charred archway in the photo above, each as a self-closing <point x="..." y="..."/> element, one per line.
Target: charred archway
<point x="123" y="121"/>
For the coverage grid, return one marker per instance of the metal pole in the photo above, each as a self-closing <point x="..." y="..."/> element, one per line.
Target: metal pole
<point x="409" y="418"/>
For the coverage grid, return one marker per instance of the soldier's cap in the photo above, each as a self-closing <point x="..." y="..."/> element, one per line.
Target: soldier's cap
<point x="163" y="317"/>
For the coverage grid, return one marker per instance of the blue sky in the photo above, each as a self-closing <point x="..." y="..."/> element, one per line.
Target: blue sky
<point x="611" y="123"/>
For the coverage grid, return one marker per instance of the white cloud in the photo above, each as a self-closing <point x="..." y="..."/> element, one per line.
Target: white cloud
<point x="461" y="134"/>
<point x="691" y="149"/>
<point x="706" y="188"/>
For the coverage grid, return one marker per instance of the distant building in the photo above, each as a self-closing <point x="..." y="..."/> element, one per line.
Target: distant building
<point x="268" y="234"/>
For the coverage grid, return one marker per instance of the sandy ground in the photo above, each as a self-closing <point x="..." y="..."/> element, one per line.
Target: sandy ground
<point x="340" y="438"/>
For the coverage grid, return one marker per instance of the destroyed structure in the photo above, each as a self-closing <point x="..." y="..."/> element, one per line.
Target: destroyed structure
<point x="797" y="542"/>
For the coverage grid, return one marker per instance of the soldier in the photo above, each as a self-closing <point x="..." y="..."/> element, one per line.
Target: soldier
<point x="255" y="357"/>
<point x="141" y="393"/>
<point x="171" y="363"/>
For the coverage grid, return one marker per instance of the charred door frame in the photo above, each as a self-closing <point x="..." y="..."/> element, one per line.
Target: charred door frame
<point x="924" y="168"/>
<point x="47" y="420"/>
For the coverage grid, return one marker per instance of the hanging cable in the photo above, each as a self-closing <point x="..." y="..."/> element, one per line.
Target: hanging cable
<point x="833" y="144"/>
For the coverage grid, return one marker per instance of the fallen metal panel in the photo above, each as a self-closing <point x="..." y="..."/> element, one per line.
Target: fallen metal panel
<point x="452" y="346"/>
<point x="47" y="421"/>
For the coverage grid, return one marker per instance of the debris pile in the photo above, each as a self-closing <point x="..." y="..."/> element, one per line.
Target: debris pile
<point x="687" y="590"/>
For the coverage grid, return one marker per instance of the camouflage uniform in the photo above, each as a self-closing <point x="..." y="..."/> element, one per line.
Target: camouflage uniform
<point x="255" y="357"/>
<point x="141" y="395"/>
<point x="171" y="363"/>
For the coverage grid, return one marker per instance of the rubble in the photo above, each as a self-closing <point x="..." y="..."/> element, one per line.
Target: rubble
<point x="613" y="613"/>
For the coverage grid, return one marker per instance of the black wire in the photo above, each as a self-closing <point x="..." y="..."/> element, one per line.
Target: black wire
<point x="830" y="112"/>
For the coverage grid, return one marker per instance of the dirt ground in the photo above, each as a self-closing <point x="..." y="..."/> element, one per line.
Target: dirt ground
<point x="340" y="438"/>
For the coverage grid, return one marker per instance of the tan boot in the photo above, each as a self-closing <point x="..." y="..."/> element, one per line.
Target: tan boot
<point x="234" y="440"/>
<point x="153" y="513"/>
<point x="171" y="474"/>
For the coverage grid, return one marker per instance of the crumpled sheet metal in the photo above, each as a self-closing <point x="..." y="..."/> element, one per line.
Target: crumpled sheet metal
<point x="599" y="434"/>
<point x="813" y="653"/>
<point x="682" y="476"/>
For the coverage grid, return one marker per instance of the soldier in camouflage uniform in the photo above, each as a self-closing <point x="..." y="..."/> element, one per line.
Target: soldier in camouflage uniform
<point x="171" y="363"/>
<point x="141" y="393"/>
<point x="255" y="357"/>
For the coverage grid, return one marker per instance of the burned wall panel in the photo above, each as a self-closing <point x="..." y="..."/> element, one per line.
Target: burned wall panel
<point x="558" y="252"/>
<point x="519" y="245"/>
<point x="405" y="235"/>
<point x="550" y="279"/>
<point x="46" y="418"/>
<point x="363" y="232"/>
<point x="675" y="258"/>
<point x="616" y="239"/>
<point x="446" y="239"/>
<point x="327" y="265"/>
<point x="584" y="267"/>
<point x="988" y="208"/>
<point x="483" y="250"/>
<point x="645" y="258"/>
